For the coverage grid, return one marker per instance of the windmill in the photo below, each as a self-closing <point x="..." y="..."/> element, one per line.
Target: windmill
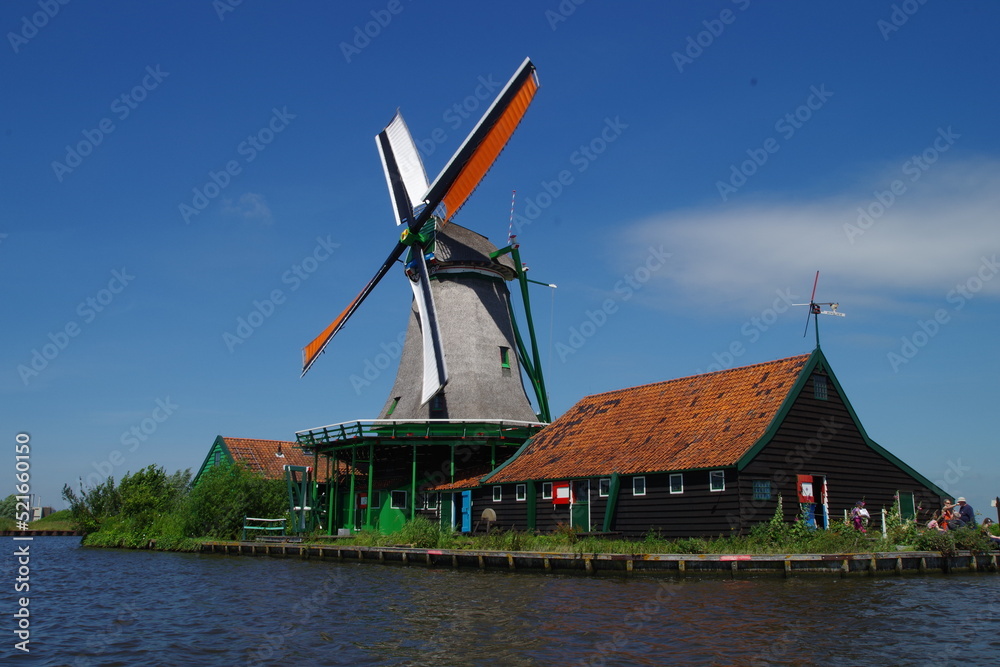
<point x="460" y="308"/>
<point x="815" y="310"/>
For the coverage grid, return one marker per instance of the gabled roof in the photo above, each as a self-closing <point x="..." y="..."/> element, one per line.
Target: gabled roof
<point x="701" y="421"/>
<point x="268" y="457"/>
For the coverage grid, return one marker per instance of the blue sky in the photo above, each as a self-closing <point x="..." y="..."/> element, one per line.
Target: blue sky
<point x="172" y="169"/>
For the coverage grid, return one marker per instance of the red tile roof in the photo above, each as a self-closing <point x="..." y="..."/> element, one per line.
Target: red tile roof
<point x="263" y="456"/>
<point x="469" y="480"/>
<point x="701" y="421"/>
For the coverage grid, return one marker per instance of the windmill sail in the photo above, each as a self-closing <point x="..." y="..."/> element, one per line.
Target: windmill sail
<point x="479" y="151"/>
<point x="404" y="172"/>
<point x="435" y="374"/>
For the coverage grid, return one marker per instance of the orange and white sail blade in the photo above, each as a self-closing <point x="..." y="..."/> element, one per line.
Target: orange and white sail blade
<point x="480" y="149"/>
<point x="312" y="351"/>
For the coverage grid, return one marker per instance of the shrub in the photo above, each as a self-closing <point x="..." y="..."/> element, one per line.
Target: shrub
<point x="420" y="533"/>
<point x="225" y="495"/>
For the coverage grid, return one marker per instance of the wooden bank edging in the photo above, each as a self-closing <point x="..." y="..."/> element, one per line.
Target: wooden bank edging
<point x="897" y="562"/>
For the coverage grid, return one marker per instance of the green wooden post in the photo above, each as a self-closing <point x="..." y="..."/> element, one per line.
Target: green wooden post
<point x="413" y="486"/>
<point x="371" y="485"/>
<point x="609" y="509"/>
<point x="352" y="501"/>
<point x="531" y="504"/>
<point x="331" y="500"/>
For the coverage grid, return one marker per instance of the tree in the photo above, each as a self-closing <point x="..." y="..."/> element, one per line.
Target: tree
<point x="225" y="495"/>
<point x="8" y="507"/>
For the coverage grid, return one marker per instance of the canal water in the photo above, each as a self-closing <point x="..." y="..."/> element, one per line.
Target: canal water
<point x="111" y="607"/>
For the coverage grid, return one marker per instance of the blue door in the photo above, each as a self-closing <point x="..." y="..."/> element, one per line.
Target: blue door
<point x="466" y="505"/>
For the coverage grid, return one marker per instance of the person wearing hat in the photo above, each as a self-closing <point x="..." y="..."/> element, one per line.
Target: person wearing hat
<point x="965" y="512"/>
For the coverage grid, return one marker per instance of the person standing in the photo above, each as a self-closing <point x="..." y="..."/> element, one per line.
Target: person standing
<point x="859" y="516"/>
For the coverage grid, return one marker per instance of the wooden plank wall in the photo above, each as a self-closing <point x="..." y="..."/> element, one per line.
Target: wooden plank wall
<point x="818" y="437"/>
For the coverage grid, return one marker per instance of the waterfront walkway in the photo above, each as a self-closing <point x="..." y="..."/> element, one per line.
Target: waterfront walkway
<point x="897" y="562"/>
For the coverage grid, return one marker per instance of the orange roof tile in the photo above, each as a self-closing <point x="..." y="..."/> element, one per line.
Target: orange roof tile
<point x="270" y="457"/>
<point x="700" y="421"/>
<point x="468" y="480"/>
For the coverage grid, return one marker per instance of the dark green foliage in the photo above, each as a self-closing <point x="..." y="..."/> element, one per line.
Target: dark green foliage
<point x="8" y="507"/>
<point x="225" y="495"/>
<point x="151" y="508"/>
<point x="93" y="505"/>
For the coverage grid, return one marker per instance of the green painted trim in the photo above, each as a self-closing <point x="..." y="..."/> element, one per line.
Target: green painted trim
<point x="220" y="444"/>
<point x="506" y="463"/>
<point x="782" y="413"/>
<point x="609" y="509"/>
<point x="818" y="359"/>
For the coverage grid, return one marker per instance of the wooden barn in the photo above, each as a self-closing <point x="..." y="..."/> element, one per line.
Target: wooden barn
<point x="704" y="455"/>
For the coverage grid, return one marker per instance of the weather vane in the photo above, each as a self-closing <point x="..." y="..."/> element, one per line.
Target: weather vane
<point x="815" y="310"/>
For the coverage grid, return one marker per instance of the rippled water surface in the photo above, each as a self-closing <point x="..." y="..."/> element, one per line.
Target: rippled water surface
<point x="110" y="607"/>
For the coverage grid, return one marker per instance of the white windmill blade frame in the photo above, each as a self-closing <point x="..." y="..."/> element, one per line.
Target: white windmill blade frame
<point x="402" y="165"/>
<point x="435" y="371"/>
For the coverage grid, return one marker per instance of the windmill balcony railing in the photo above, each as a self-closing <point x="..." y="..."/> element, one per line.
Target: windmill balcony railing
<point x="452" y="429"/>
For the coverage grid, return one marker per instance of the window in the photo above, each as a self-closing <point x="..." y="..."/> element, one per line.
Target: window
<point x="497" y="494"/>
<point x="397" y="500"/>
<point x="217" y="457"/>
<point x="432" y="501"/>
<point x="762" y="489"/>
<point x="520" y="492"/>
<point x="546" y="490"/>
<point x="819" y="387"/>
<point x="717" y="480"/>
<point x="438" y="408"/>
<point x="504" y="357"/>
<point x="638" y="486"/>
<point x="604" y="487"/>
<point x="677" y="483"/>
<point x="392" y="406"/>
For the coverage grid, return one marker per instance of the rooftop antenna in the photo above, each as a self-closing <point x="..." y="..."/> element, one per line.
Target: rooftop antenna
<point x="510" y="226"/>
<point x="815" y="310"/>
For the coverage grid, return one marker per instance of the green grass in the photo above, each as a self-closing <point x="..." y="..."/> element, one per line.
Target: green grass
<point x="768" y="538"/>
<point x="61" y="520"/>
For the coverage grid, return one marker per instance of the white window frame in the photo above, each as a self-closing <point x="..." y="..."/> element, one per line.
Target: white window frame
<point x="635" y="481"/>
<point x="521" y="492"/>
<point x="712" y="476"/>
<point x="546" y="490"/>
<point x="497" y="494"/>
<point x="604" y="487"/>
<point x="671" y="481"/>
<point x="392" y="500"/>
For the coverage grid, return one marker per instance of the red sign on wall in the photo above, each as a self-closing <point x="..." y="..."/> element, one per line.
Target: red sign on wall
<point x="805" y="489"/>
<point x="560" y="493"/>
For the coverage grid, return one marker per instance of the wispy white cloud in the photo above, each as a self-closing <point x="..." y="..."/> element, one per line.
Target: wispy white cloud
<point x="932" y="234"/>
<point x="250" y="206"/>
